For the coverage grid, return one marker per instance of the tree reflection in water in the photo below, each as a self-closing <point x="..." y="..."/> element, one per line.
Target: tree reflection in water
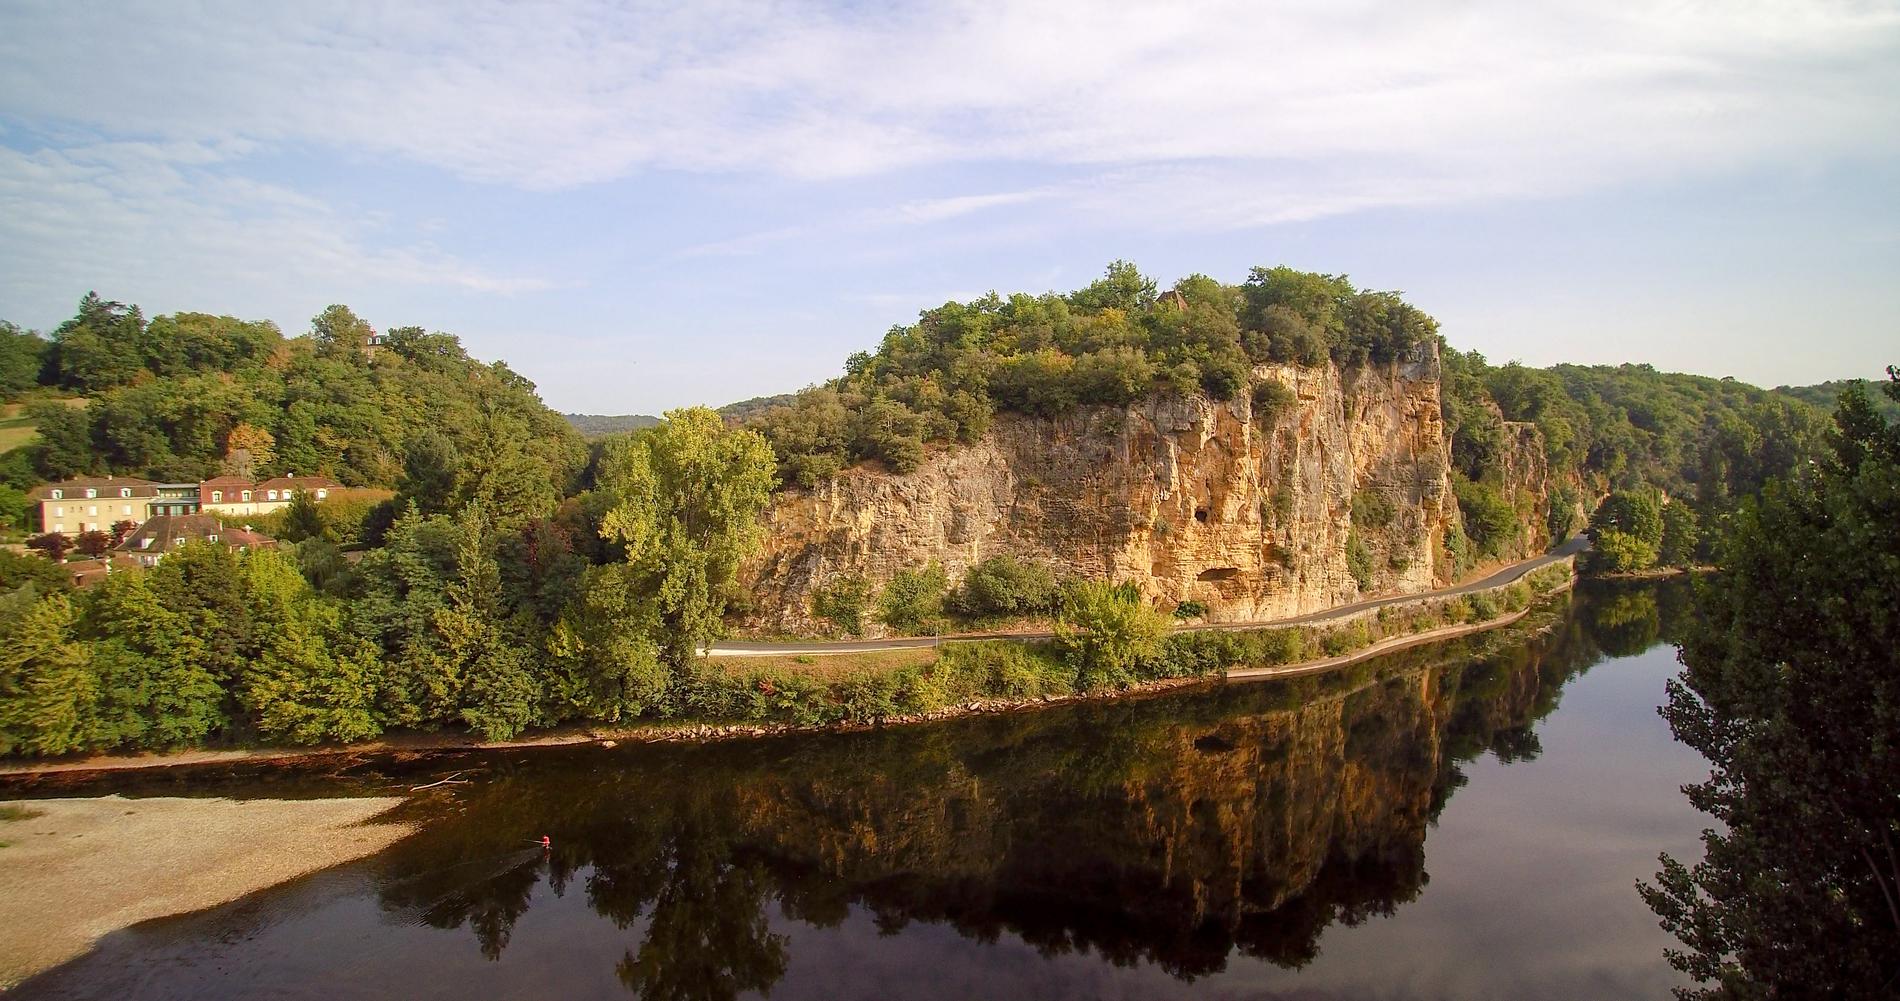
<point x="1173" y="830"/>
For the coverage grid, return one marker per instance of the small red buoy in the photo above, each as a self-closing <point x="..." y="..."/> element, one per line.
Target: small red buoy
<point x="546" y="842"/>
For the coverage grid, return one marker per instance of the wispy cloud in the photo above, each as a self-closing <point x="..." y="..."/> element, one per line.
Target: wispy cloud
<point x="1548" y="96"/>
<point x="165" y="216"/>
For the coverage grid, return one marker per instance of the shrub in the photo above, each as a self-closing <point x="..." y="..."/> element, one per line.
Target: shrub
<point x="913" y="599"/>
<point x="1489" y="519"/>
<point x="1371" y="509"/>
<point x="1271" y="400"/>
<point x="842" y="603"/>
<point x="1105" y="631"/>
<point x="1189" y="610"/>
<point x="1004" y="586"/>
<point x="1359" y="560"/>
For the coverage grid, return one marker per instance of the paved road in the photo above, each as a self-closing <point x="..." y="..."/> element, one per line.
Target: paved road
<point x="816" y="648"/>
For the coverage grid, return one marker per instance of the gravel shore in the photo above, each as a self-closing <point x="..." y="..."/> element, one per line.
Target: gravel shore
<point x="77" y="869"/>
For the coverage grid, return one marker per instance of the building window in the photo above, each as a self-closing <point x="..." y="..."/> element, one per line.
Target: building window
<point x="59" y="511"/>
<point x="60" y="527"/>
<point x="288" y="493"/>
<point x="217" y="496"/>
<point x="211" y="538"/>
<point x="247" y="495"/>
<point x="322" y="493"/>
<point x="91" y="493"/>
<point x="272" y="495"/>
<point x="128" y="509"/>
<point x="93" y="509"/>
<point x="125" y="491"/>
<point x="57" y="494"/>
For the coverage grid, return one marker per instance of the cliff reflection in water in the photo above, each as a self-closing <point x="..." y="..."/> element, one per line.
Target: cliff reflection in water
<point x="1172" y="830"/>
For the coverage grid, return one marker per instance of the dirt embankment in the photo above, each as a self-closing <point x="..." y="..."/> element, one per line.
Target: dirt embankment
<point x="77" y="869"/>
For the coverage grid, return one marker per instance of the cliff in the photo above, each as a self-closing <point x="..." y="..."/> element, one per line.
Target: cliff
<point x="1250" y="512"/>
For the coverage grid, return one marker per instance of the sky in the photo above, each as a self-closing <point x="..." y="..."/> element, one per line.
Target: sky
<point x="641" y="207"/>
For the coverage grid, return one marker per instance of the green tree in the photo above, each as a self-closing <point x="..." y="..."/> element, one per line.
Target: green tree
<point x="1789" y="688"/>
<point x="1105" y="632"/>
<point x="15" y="508"/>
<point x="19" y="569"/>
<point x="47" y="690"/>
<point x="155" y="689"/>
<point x="302" y="520"/>
<point x="1626" y="530"/>
<point x="1681" y="536"/>
<point x="690" y="495"/>
<point x="308" y="679"/>
<point x="22" y="356"/>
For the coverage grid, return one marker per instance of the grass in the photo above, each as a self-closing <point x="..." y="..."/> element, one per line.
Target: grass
<point x="9" y="812"/>
<point x="18" y="429"/>
<point x="831" y="667"/>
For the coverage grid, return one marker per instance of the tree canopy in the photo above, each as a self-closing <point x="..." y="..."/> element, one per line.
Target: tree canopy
<point x="1791" y="689"/>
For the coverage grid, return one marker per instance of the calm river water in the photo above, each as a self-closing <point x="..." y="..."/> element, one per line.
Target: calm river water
<point x="1466" y="821"/>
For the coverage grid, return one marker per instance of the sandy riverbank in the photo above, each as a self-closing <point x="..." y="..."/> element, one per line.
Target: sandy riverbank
<point x="77" y="869"/>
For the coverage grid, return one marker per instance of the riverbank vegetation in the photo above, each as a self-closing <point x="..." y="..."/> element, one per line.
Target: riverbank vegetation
<point x="1108" y="639"/>
<point x="487" y="568"/>
<point x="1791" y="689"/>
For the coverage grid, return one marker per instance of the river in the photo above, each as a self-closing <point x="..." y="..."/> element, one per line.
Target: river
<point x="1459" y="821"/>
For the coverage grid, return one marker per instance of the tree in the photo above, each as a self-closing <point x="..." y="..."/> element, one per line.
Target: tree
<point x="1681" y="535"/>
<point x="47" y="691"/>
<point x="18" y="570"/>
<point x="340" y="333"/>
<point x="65" y="446"/>
<point x="1790" y="689"/>
<point x="1106" y="630"/>
<point x="93" y="543"/>
<point x="122" y="529"/>
<point x="302" y="520"/>
<point x="14" y="507"/>
<point x="431" y="470"/>
<point x="247" y="449"/>
<point x="54" y="544"/>
<point x="690" y="494"/>
<point x="1626" y="530"/>
<point x="22" y="355"/>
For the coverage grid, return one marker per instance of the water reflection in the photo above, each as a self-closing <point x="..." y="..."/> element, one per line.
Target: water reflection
<point x="1178" y="831"/>
<point x="1175" y="831"/>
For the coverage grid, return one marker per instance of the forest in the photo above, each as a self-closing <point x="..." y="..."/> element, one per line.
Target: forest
<point x="521" y="576"/>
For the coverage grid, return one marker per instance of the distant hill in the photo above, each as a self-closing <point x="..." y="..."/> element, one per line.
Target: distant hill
<point x="1826" y="394"/>
<point x="596" y="425"/>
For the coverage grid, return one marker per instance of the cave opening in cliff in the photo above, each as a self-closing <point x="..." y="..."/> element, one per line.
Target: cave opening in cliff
<point x="1200" y="515"/>
<point x="1220" y="573"/>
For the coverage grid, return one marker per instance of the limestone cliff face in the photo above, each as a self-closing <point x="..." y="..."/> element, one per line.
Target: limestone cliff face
<point x="1192" y="499"/>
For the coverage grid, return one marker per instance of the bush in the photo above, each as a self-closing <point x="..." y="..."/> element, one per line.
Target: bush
<point x="1489" y="519"/>
<point x="1371" y="509"/>
<point x="1359" y="560"/>
<point x="1189" y="610"/>
<point x="1271" y="401"/>
<point x="842" y="603"/>
<point x="913" y="599"/>
<point x="1106" y="631"/>
<point x="1004" y="586"/>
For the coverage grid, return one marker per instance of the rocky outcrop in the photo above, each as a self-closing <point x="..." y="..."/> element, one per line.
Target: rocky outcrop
<point x="1250" y="513"/>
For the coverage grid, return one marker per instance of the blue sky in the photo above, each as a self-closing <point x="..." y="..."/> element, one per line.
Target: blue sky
<point x="642" y="206"/>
